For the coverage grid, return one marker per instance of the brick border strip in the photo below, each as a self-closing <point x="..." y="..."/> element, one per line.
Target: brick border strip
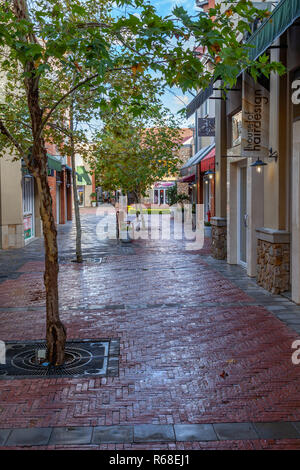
<point x="146" y="433"/>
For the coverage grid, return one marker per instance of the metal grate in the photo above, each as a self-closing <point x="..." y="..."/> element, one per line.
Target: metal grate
<point x="83" y="359"/>
<point x="67" y="260"/>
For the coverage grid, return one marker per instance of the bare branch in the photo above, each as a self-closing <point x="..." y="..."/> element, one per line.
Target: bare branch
<point x="93" y="24"/>
<point x="72" y="90"/>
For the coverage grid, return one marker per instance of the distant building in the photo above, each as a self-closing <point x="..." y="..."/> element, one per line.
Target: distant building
<point x="20" y="220"/>
<point x="158" y="193"/>
<point x="85" y="182"/>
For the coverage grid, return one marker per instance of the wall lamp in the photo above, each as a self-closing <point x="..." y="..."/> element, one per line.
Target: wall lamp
<point x="258" y="164"/>
<point x="209" y="173"/>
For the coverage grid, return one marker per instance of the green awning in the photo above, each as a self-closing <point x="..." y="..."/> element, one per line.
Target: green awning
<point x="283" y="16"/>
<point x="83" y="178"/>
<point x="54" y="163"/>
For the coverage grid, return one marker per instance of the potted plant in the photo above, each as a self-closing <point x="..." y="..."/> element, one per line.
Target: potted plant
<point x="93" y="197"/>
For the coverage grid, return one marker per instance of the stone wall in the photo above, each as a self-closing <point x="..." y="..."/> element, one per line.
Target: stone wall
<point x="219" y="238"/>
<point x="273" y="266"/>
<point x="183" y="188"/>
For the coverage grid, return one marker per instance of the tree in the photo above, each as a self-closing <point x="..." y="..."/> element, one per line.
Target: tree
<point x="139" y="141"/>
<point x="43" y="40"/>
<point x="72" y="138"/>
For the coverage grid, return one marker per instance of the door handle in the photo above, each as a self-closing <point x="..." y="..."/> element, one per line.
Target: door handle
<point x="246" y="220"/>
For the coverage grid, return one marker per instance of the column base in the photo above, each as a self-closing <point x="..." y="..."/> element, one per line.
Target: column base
<point x="11" y="236"/>
<point x="219" y="237"/>
<point x="273" y="260"/>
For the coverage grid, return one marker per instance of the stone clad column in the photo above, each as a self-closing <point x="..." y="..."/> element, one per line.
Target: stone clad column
<point x="295" y="248"/>
<point x="273" y="238"/>
<point x="218" y="222"/>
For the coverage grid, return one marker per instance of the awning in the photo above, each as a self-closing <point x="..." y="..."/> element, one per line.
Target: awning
<point x="54" y="163"/>
<point x="83" y="178"/>
<point x="200" y="99"/>
<point x="282" y="17"/>
<point x="195" y="159"/>
<point x="165" y="184"/>
<point x="208" y="162"/>
<point x="67" y="167"/>
<point x="187" y="179"/>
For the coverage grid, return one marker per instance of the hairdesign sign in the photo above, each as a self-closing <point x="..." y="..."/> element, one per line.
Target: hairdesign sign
<point x="255" y="119"/>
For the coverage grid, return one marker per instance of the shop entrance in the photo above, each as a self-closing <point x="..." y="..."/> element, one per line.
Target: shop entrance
<point x="242" y="216"/>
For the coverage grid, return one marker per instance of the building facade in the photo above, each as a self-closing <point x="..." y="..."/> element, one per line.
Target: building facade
<point x="257" y="196"/>
<point x="158" y="193"/>
<point x="20" y="220"/>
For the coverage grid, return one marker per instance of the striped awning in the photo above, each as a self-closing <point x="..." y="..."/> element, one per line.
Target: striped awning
<point x="208" y="162"/>
<point x="282" y="17"/>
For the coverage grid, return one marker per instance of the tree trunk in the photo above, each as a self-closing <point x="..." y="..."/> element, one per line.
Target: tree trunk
<point x="76" y="206"/>
<point x="139" y="204"/>
<point x="37" y="164"/>
<point x="117" y="224"/>
<point x="55" y="330"/>
<point x="75" y="193"/>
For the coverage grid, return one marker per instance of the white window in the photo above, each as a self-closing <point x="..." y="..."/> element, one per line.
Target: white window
<point x="28" y="207"/>
<point x="28" y="195"/>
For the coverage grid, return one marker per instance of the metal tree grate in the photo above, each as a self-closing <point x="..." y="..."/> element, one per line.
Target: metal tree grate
<point x="68" y="260"/>
<point x="82" y="359"/>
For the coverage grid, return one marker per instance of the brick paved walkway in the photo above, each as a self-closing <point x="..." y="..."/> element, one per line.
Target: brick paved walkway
<point x="200" y="342"/>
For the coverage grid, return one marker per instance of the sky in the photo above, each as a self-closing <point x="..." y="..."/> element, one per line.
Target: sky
<point x="174" y="99"/>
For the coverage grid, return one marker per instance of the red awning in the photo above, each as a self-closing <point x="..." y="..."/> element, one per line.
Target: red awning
<point x="208" y="162"/>
<point x="187" y="179"/>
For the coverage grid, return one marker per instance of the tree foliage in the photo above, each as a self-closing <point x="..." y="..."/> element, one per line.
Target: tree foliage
<point x="139" y="141"/>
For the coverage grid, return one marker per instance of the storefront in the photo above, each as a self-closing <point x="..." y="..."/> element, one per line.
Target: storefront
<point x="198" y="172"/>
<point x="207" y="174"/>
<point x="84" y="186"/>
<point x="80" y="193"/>
<point x="160" y="192"/>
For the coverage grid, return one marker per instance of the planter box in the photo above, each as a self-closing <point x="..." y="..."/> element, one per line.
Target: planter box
<point x="207" y="232"/>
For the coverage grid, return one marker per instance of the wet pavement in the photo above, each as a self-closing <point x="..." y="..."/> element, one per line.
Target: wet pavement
<point x="200" y="343"/>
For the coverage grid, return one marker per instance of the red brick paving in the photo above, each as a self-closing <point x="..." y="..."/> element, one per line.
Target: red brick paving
<point x="171" y="357"/>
